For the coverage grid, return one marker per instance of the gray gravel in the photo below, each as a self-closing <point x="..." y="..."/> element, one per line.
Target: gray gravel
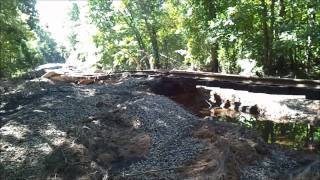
<point x="169" y="126"/>
<point x="36" y="115"/>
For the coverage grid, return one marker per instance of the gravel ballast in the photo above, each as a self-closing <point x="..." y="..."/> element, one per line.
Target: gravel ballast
<point x="48" y="129"/>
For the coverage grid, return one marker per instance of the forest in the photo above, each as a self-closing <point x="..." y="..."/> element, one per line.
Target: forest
<point x="276" y="37"/>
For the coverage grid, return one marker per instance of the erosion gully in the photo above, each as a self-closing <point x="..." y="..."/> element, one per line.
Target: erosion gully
<point x="301" y="135"/>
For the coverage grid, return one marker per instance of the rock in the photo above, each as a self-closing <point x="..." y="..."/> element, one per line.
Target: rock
<point x="311" y="171"/>
<point x="86" y="81"/>
<point x="261" y="149"/>
<point x="105" y="159"/>
<point x="254" y="110"/>
<point x="217" y="100"/>
<point x="244" y="153"/>
<point x="50" y="74"/>
<point x="227" y="104"/>
<point x="220" y="112"/>
<point x="205" y="132"/>
<point x="244" y="109"/>
<point x="2" y="90"/>
<point x="237" y="104"/>
<point x="138" y="146"/>
<point x="100" y="104"/>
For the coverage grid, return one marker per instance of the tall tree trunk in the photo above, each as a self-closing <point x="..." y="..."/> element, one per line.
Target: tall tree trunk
<point x="282" y="12"/>
<point x="138" y="37"/>
<point x="147" y="8"/>
<point x="166" y="52"/>
<point x="154" y="43"/>
<point x="292" y="61"/>
<point x="266" y="38"/>
<point x="211" y="11"/>
<point x="214" y="58"/>
<point x="311" y="26"/>
<point x="142" y="48"/>
<point x="271" y="31"/>
<point x="155" y="47"/>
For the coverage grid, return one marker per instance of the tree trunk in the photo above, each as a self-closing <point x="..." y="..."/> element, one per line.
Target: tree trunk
<point x="155" y="47"/>
<point x="311" y="26"/>
<point x="214" y="58"/>
<point x="142" y="47"/>
<point x="147" y="9"/>
<point x="266" y="38"/>
<point x="166" y="51"/>
<point x="282" y="12"/>
<point x="292" y="61"/>
<point x="138" y="37"/>
<point x="271" y="31"/>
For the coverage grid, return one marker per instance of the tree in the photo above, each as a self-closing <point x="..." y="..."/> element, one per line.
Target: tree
<point x="74" y="18"/>
<point x="48" y="48"/>
<point x="280" y="36"/>
<point x="16" y="51"/>
<point x="20" y="48"/>
<point x="144" y="38"/>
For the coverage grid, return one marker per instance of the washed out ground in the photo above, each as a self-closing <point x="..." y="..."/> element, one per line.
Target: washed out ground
<point x="289" y="120"/>
<point x="121" y="129"/>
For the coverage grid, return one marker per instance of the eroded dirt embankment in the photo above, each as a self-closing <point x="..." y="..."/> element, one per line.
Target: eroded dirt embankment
<point x="120" y="129"/>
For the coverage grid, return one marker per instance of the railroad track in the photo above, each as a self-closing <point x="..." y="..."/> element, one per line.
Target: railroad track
<point x="269" y="85"/>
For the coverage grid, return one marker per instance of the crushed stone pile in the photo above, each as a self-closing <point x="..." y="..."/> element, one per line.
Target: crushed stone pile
<point x="38" y="117"/>
<point x="122" y="130"/>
